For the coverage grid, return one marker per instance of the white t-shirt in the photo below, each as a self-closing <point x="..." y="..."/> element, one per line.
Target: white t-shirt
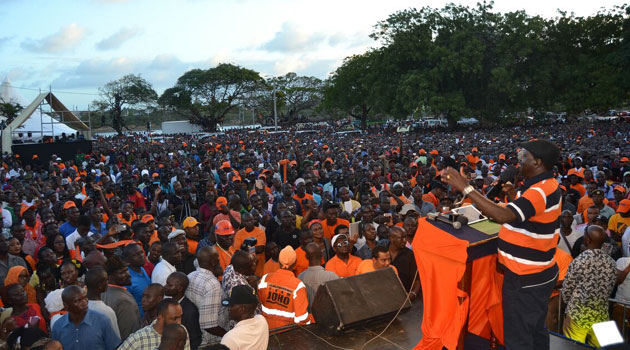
<point x="623" y="291"/>
<point x="74" y="237"/>
<point x="625" y="242"/>
<point x="575" y="234"/>
<point x="249" y="334"/>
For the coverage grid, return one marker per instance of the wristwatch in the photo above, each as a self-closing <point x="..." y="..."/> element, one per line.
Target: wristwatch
<point x="467" y="190"/>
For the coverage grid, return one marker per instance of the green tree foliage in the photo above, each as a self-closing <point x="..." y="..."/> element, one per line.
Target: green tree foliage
<point x="206" y="96"/>
<point x="128" y="91"/>
<point x="9" y="110"/>
<point x="471" y="61"/>
<point x="351" y="87"/>
<point x="298" y="93"/>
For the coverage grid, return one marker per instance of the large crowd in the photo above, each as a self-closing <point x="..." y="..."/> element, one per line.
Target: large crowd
<point x="178" y="242"/>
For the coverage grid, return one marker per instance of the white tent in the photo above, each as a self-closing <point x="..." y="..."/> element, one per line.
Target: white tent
<point x="39" y="123"/>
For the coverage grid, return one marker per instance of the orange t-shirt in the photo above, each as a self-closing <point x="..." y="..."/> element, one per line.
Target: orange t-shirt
<point x="192" y="246"/>
<point x="329" y="231"/>
<point x="343" y="269"/>
<point x="132" y="218"/>
<point x="271" y="266"/>
<point x="367" y="265"/>
<point x="431" y="198"/>
<point x="579" y="188"/>
<point x="564" y="260"/>
<point x="261" y="240"/>
<point x="154" y="238"/>
<point x="225" y="256"/>
<point x="306" y="196"/>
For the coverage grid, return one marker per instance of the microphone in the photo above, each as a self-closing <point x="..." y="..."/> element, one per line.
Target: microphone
<point x="507" y="175"/>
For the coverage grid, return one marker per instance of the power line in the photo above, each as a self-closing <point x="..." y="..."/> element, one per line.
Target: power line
<point x="56" y="91"/>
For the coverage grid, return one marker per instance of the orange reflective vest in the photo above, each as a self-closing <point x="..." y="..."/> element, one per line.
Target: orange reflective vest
<point x="284" y="300"/>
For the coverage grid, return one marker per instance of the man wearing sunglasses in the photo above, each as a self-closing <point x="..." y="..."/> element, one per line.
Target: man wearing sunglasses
<point x="343" y="263"/>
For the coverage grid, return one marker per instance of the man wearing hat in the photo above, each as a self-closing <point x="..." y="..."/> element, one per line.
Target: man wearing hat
<point x="618" y="223"/>
<point x="191" y="227"/>
<point x="224" y="233"/>
<point x="343" y="263"/>
<point x="527" y="242"/>
<point x="283" y="296"/>
<point x="251" y="331"/>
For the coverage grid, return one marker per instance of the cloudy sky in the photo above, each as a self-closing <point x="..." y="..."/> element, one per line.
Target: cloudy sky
<point x="75" y="46"/>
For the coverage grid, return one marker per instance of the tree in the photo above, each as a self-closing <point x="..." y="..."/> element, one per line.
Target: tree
<point x="128" y="91"/>
<point x="9" y="110"/>
<point x="206" y="96"/>
<point x="299" y="93"/>
<point x="350" y="87"/>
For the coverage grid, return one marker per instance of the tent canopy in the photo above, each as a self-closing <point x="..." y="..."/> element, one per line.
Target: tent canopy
<point x="40" y="124"/>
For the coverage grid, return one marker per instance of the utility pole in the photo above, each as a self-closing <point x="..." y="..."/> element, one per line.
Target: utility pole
<point x="275" y="111"/>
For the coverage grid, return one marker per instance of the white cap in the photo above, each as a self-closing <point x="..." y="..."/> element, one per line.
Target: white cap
<point x="299" y="181"/>
<point x="336" y="237"/>
<point x="176" y="233"/>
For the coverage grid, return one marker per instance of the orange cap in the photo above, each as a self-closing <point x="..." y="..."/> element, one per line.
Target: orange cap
<point x="25" y="207"/>
<point x="422" y="152"/>
<point x="328" y="160"/>
<point x="147" y="217"/>
<point x="223" y="228"/>
<point x="155" y="175"/>
<point x="225" y="165"/>
<point x="575" y="172"/>
<point x="474" y="149"/>
<point x="248" y="170"/>
<point x="85" y="200"/>
<point x="624" y="159"/>
<point x="69" y="204"/>
<point x="434" y="152"/>
<point x="619" y="188"/>
<point x="221" y="201"/>
<point x="624" y="206"/>
<point x="502" y="156"/>
<point x="190" y="222"/>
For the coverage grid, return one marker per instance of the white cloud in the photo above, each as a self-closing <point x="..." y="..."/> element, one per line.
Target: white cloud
<point x="66" y="38"/>
<point x="116" y="40"/>
<point x="293" y="38"/>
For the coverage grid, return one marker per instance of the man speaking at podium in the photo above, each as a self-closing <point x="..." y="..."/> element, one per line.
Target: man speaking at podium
<point x="527" y="242"/>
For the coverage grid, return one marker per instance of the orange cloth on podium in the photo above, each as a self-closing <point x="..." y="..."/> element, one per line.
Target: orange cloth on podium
<point x="441" y="253"/>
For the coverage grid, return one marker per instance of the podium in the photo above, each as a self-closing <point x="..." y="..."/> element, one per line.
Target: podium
<point x="460" y="284"/>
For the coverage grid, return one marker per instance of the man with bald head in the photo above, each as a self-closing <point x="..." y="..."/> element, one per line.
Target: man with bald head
<point x="205" y="292"/>
<point x="587" y="286"/>
<point x="315" y="275"/>
<point x="173" y="337"/>
<point x="82" y="328"/>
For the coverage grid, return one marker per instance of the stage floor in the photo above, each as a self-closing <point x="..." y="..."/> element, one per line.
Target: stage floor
<point x="404" y="333"/>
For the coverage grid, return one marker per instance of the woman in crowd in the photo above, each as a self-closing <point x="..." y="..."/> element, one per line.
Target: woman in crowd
<point x="21" y="276"/>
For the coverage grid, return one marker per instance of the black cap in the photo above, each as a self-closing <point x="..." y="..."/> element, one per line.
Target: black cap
<point x="601" y="218"/>
<point x="241" y="295"/>
<point x="328" y="204"/>
<point x="544" y="150"/>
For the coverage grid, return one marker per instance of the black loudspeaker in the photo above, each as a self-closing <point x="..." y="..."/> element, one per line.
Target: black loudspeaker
<point x="347" y="302"/>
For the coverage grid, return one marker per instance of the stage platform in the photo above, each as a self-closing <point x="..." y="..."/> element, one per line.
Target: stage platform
<point x="404" y="333"/>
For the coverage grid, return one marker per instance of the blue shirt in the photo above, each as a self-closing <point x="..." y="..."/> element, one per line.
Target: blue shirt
<point x="139" y="282"/>
<point x="95" y="332"/>
<point x="66" y="229"/>
<point x="102" y="230"/>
